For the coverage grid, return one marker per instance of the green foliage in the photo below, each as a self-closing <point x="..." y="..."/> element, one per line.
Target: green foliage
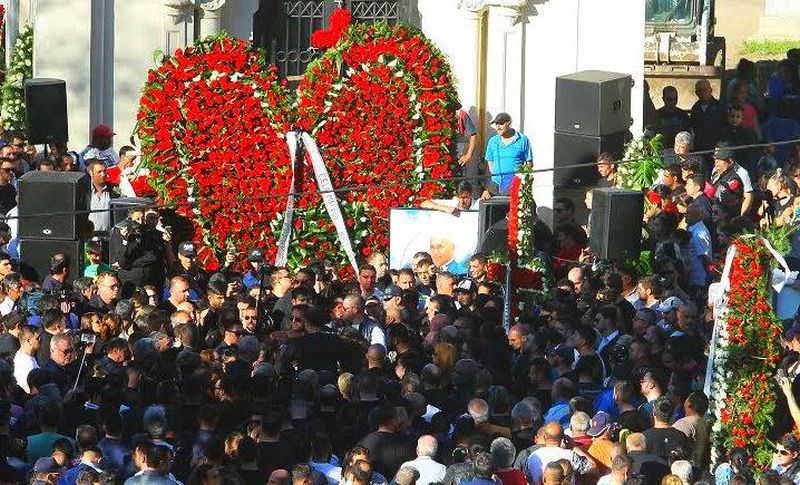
<point x="12" y="93"/>
<point x="766" y="48"/>
<point x="642" y="161"/>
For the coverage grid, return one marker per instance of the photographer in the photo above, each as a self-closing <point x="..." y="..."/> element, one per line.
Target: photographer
<point x="139" y="250"/>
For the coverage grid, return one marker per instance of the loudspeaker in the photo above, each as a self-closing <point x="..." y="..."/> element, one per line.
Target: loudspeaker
<point x="616" y="223"/>
<point x="46" y="110"/>
<point x="48" y="202"/>
<point x="493" y="228"/>
<point x="572" y="149"/>
<point x="36" y="253"/>
<point x="121" y="205"/>
<point x="593" y="103"/>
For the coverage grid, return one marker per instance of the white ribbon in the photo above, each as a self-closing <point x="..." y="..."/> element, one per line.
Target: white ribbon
<point x="329" y="198"/>
<point x="288" y="215"/>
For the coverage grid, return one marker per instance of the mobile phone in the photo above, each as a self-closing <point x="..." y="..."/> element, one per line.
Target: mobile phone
<point x="88" y="338"/>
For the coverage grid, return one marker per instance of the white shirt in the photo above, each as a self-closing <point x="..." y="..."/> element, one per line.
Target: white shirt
<point x="429" y="470"/>
<point x="100" y="200"/>
<point x="12" y="221"/>
<point x="23" y="365"/>
<point x="747" y="184"/>
<point x="540" y="458"/>
<point x="332" y="473"/>
<point x="7" y="306"/>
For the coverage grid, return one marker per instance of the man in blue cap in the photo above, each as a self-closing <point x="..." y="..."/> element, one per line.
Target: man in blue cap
<point x="506" y="153"/>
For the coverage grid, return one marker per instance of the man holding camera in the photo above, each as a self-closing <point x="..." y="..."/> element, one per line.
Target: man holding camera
<point x="139" y="250"/>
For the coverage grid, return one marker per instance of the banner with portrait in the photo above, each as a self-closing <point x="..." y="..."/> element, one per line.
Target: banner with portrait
<point x="450" y="240"/>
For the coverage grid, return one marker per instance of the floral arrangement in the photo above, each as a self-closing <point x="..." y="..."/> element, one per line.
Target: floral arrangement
<point x="381" y="104"/>
<point x="2" y="43"/>
<point x="12" y="94"/>
<point x="378" y="104"/>
<point x="327" y="38"/>
<point x="531" y="282"/>
<point x="746" y="356"/>
<point x="642" y="162"/>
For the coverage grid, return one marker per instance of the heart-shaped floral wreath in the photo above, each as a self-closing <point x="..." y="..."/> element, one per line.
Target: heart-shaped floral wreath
<point x="212" y="119"/>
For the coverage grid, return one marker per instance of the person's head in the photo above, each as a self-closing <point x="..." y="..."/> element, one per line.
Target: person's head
<point x="482" y="465"/>
<point x="683" y="143"/>
<point x="7" y="167"/>
<point x="478" y="265"/>
<point x="464" y="195"/>
<point x="696" y="404"/>
<point x="61" y="350"/>
<point x="580" y="423"/>
<point x="352" y="307"/>
<point x="117" y="350"/>
<point x="97" y="171"/>
<point x="702" y="89"/>
<point x="178" y="289"/>
<point x="621" y="467"/>
<point x="29" y="339"/>
<point x="636" y="442"/>
<point x="127" y="156"/>
<point x="563" y="211"/>
<point x="577" y="278"/>
<point x="723" y="158"/>
<point x="12" y="285"/>
<point x="517" y="336"/>
<point x="787" y="450"/>
<point x="501" y="123"/>
<point x="278" y="477"/>
<point x="553" y="434"/>
<point x="662" y="410"/>
<point x="553" y="474"/>
<point x="684" y="470"/>
<point x="672" y="176"/>
<point x="670" y="96"/>
<point x="379" y="261"/>
<point x="367" y="275"/>
<point x="445" y="283"/>
<point x="652" y="384"/>
<point x="216" y="293"/>
<point x="649" y="288"/>
<point x="424" y="270"/>
<point x="108" y="287"/>
<point x="427" y="446"/>
<point x="694" y="185"/>
<point x="102" y="136"/>
<point x="406" y="279"/>
<point x="605" y="165"/>
<point x="735" y="115"/>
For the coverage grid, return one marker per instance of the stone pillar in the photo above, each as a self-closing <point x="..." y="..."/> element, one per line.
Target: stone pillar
<point x="211" y="16"/>
<point x="12" y="27"/>
<point x="469" y="67"/>
<point x="178" y="31"/>
<point x="504" y="59"/>
<point x="101" y="63"/>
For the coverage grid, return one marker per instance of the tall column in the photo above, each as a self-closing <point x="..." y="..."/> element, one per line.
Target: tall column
<point x="469" y="66"/>
<point x="12" y="27"/>
<point x="101" y="63"/>
<point x="211" y="16"/>
<point x="504" y="59"/>
<point x="178" y="31"/>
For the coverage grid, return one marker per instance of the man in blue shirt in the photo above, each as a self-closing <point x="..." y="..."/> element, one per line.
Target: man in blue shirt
<point x="506" y="152"/>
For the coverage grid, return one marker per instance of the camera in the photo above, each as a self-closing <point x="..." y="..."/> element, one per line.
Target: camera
<point x="88" y="338"/>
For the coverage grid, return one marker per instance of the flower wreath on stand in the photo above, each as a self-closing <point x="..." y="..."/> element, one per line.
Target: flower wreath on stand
<point x="381" y="104"/>
<point x="531" y="280"/>
<point x="745" y="358"/>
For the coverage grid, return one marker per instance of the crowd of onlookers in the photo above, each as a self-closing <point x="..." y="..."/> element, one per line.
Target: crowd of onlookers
<point x="147" y="369"/>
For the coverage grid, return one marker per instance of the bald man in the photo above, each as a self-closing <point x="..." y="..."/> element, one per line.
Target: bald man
<point x="279" y="477"/>
<point x="707" y="117"/>
<point x="652" y="467"/>
<point x="430" y="471"/>
<point x="553" y="451"/>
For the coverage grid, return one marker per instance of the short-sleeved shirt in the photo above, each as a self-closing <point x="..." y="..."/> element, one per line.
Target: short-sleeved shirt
<point x="506" y="157"/>
<point x="466" y="130"/>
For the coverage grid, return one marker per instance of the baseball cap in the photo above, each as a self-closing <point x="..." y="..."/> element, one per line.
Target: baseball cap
<point x="723" y="152"/>
<point x="102" y="130"/>
<point x="391" y="291"/>
<point x="46" y="464"/>
<point x="501" y="118"/>
<point x="564" y="351"/>
<point x="600" y="423"/>
<point x="256" y="256"/>
<point x="186" y="248"/>
<point x="467" y="286"/>
<point x="671" y="303"/>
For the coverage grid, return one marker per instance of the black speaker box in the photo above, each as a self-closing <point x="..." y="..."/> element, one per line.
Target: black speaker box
<point x="493" y="230"/>
<point x="572" y="149"/>
<point x="36" y="253"/>
<point x="121" y="205"/>
<point x="46" y="110"/>
<point x="616" y="223"/>
<point x="43" y="193"/>
<point x="593" y="103"/>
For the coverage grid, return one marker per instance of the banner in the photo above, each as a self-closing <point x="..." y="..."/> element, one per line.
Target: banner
<point x="304" y="147"/>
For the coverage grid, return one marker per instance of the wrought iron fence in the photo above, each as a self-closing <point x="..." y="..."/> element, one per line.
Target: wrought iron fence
<point x="289" y="39"/>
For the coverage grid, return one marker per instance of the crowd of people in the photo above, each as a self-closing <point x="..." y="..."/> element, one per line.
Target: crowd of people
<point x="147" y="369"/>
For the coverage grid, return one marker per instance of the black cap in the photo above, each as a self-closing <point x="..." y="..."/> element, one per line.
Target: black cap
<point x="723" y="151"/>
<point x="186" y="248"/>
<point x="467" y="286"/>
<point x="256" y="256"/>
<point x="391" y="291"/>
<point x="501" y="118"/>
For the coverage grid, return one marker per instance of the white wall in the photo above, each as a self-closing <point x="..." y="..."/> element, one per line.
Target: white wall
<point x="565" y="36"/>
<point x="62" y="42"/>
<point x="238" y="17"/>
<point x="138" y="35"/>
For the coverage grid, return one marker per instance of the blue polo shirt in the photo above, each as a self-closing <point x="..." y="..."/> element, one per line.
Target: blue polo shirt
<point x="507" y="157"/>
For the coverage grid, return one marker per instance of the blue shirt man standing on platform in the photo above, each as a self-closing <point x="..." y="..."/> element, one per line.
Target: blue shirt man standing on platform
<point x="506" y="152"/>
